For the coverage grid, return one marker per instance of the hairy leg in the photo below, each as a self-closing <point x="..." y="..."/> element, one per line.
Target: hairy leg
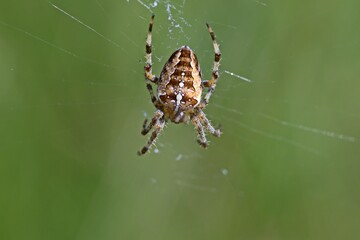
<point x="211" y="84"/>
<point x="158" y="127"/>
<point x="148" y="66"/>
<point x="201" y="138"/>
<point x="155" y="118"/>
<point x="204" y="121"/>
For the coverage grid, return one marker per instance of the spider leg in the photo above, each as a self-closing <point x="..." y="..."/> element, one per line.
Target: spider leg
<point x="148" y="47"/>
<point x="159" y="126"/>
<point x="201" y="138"/>
<point x="148" y="66"/>
<point x="204" y="121"/>
<point x="211" y="84"/>
<point x="154" y="120"/>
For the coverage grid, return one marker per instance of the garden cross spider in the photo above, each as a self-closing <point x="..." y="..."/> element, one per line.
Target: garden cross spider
<point x="179" y="90"/>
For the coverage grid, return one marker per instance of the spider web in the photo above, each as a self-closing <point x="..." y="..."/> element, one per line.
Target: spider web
<point x="90" y="85"/>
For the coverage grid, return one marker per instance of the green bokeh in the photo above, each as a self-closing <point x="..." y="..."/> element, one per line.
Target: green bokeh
<point x="72" y="102"/>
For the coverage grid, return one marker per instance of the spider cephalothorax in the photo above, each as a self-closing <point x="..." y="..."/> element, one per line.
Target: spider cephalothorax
<point x="179" y="91"/>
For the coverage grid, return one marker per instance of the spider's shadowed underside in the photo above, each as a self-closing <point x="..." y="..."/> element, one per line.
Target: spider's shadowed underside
<point x="179" y="92"/>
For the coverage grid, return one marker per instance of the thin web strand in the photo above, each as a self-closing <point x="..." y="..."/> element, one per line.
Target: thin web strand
<point x="88" y="27"/>
<point x="322" y="132"/>
<point x="237" y="76"/>
<point x="55" y="46"/>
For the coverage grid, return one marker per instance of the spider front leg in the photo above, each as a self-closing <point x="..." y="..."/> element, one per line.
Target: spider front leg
<point x="159" y="126"/>
<point x="154" y="120"/>
<point x="204" y="121"/>
<point x="201" y="137"/>
<point x="211" y="84"/>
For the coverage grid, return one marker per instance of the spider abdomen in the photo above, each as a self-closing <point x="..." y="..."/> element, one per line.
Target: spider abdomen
<point x="180" y="83"/>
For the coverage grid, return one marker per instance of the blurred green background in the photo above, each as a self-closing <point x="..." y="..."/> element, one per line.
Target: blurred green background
<point x="73" y="99"/>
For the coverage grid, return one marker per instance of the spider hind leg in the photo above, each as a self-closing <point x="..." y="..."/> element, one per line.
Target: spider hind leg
<point x="211" y="84"/>
<point x="149" y="76"/>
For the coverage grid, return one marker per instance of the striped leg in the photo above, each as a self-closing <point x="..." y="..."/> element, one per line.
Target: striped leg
<point x="148" y="67"/>
<point x="211" y="84"/>
<point x="201" y="138"/>
<point x="159" y="126"/>
<point x="204" y="121"/>
<point x="156" y="117"/>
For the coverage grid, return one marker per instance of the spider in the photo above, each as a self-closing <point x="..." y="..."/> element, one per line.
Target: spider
<point x="179" y="92"/>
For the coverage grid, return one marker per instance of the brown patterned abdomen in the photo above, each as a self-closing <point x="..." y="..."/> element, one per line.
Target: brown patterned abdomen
<point x="180" y="82"/>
